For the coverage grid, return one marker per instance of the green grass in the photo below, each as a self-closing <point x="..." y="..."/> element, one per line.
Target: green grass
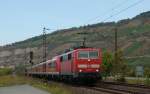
<point x="10" y="80"/>
<point x="54" y="88"/>
<point x="133" y="81"/>
<point x="138" y="81"/>
<point x="5" y="71"/>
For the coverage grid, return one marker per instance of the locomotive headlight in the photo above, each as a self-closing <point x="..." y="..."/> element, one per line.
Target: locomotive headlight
<point x="97" y="70"/>
<point x="80" y="70"/>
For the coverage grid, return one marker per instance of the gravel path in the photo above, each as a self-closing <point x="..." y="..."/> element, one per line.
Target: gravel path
<point x="21" y="89"/>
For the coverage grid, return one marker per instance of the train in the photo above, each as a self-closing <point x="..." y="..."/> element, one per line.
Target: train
<point x="76" y="64"/>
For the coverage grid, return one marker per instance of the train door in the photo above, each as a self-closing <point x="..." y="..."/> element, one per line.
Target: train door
<point x="70" y="63"/>
<point x="66" y="64"/>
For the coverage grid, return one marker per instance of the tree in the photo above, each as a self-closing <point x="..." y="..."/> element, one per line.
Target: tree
<point x="20" y="69"/>
<point x="107" y="63"/>
<point x="147" y="72"/>
<point x="119" y="66"/>
<point x="147" y="75"/>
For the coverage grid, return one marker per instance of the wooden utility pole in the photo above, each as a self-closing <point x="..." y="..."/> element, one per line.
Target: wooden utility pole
<point x="116" y="45"/>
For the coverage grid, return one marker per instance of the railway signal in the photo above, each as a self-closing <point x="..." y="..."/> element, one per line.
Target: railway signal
<point x="31" y="57"/>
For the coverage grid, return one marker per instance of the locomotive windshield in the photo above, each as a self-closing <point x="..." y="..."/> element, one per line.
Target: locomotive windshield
<point x="87" y="54"/>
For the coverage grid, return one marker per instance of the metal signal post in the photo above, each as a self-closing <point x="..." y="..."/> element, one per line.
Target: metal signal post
<point x="31" y="58"/>
<point x="44" y="44"/>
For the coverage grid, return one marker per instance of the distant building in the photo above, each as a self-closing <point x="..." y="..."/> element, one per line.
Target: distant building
<point x="8" y="66"/>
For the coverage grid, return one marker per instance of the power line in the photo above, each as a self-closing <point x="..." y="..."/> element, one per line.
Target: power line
<point x="123" y="10"/>
<point x="112" y="9"/>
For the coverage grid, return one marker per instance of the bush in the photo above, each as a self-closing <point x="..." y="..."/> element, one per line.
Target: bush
<point x="121" y="79"/>
<point x="130" y="72"/>
<point x="20" y="69"/>
<point x="147" y="81"/>
<point x="107" y="64"/>
<point x="5" y="71"/>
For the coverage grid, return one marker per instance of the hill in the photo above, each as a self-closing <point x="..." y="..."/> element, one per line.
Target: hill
<point x="133" y="39"/>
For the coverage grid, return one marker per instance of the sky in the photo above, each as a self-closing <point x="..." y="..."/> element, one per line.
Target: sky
<point x="23" y="19"/>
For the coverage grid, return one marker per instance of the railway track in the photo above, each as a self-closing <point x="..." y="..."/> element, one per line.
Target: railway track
<point x="116" y="88"/>
<point x="126" y="88"/>
<point x="126" y="84"/>
<point x="106" y="88"/>
<point x="109" y="91"/>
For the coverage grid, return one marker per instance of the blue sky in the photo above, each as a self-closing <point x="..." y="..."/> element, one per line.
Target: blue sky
<point x="22" y="19"/>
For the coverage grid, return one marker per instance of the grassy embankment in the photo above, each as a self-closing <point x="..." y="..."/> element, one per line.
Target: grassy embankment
<point x="6" y="79"/>
<point x="53" y="88"/>
<point x="134" y="80"/>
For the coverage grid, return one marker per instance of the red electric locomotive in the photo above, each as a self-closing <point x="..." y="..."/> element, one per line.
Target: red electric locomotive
<point x="81" y="63"/>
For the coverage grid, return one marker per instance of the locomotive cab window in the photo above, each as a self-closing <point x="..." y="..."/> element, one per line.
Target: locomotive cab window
<point x="88" y="54"/>
<point x="83" y="54"/>
<point x="93" y="54"/>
